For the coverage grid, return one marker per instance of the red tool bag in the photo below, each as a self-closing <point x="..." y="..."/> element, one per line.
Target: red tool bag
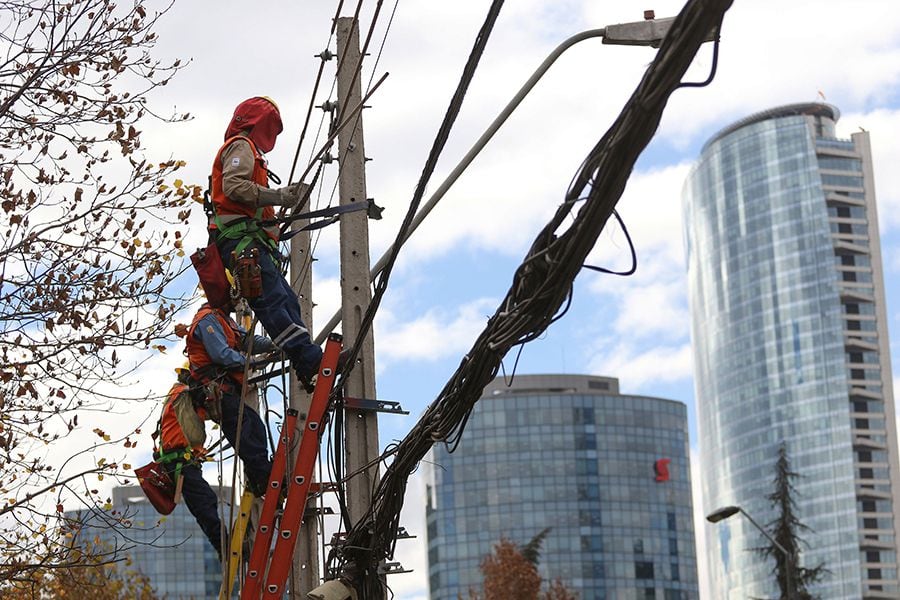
<point x="211" y="272"/>
<point x="157" y="486"/>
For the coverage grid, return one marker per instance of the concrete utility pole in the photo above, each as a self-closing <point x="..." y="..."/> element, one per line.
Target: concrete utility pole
<point x="305" y="572"/>
<point x="361" y="438"/>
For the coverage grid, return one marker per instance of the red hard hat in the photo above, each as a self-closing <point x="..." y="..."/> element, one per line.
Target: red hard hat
<point x="259" y="116"/>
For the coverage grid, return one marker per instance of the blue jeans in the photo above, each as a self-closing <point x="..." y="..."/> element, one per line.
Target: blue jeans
<point x="253" y="450"/>
<point x="278" y="309"/>
<point x="200" y="500"/>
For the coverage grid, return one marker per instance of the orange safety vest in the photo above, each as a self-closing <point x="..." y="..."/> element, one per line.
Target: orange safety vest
<point x="198" y="357"/>
<point x="223" y="205"/>
<point x="171" y="434"/>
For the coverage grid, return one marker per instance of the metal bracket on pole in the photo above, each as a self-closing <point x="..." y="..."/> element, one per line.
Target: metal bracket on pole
<point x="374" y="211"/>
<point x="322" y="488"/>
<point x="315" y="511"/>
<point x="402" y="534"/>
<point x="384" y="406"/>
<point x="391" y="568"/>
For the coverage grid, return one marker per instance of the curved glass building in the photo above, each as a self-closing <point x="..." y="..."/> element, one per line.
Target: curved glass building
<point x="608" y="472"/>
<point x="790" y="344"/>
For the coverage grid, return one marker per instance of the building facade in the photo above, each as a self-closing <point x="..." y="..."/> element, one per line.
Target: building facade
<point x="170" y="550"/>
<point x="607" y="472"/>
<point x="791" y="344"/>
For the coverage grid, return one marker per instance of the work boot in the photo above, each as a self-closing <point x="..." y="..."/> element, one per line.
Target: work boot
<point x="256" y="489"/>
<point x="309" y="381"/>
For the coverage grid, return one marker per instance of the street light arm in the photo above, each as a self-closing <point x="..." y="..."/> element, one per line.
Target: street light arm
<point x="626" y="34"/>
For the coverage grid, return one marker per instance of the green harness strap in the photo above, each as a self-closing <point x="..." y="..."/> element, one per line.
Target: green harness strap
<point x="172" y="456"/>
<point x="246" y="231"/>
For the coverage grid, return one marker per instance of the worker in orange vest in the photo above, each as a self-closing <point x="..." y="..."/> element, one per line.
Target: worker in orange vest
<point x="181" y="437"/>
<point x="241" y="198"/>
<point x="215" y="344"/>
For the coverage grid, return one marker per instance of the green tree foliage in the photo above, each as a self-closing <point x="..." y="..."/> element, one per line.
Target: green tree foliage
<point x="786" y="529"/>
<point x="89" y="242"/>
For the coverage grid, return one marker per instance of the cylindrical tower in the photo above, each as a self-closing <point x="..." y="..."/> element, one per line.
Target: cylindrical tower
<point x="790" y="344"/>
<point x="608" y="473"/>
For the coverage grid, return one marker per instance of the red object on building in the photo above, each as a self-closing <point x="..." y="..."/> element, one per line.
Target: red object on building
<point x="661" y="467"/>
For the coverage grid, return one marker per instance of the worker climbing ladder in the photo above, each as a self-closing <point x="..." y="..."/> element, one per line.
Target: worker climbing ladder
<point x="297" y="488"/>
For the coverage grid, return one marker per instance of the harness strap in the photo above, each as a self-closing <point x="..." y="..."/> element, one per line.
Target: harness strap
<point x="180" y="455"/>
<point x="247" y="230"/>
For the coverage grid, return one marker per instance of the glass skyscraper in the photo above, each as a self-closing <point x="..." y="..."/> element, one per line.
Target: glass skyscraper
<point x="790" y="344"/>
<point x="608" y="472"/>
<point x="170" y="550"/>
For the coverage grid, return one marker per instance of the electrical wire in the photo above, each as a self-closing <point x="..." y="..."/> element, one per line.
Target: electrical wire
<point x="312" y="97"/>
<point x="369" y="568"/>
<point x="631" y="270"/>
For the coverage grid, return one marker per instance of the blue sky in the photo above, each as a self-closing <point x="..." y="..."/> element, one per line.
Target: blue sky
<point x="456" y="268"/>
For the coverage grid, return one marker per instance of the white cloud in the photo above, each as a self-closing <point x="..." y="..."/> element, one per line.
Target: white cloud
<point x="641" y="366"/>
<point x="657" y="309"/>
<point x="436" y="334"/>
<point x="652" y="303"/>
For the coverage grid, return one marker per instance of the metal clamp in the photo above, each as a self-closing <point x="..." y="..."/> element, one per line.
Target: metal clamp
<point x="383" y="406"/>
<point x="391" y="568"/>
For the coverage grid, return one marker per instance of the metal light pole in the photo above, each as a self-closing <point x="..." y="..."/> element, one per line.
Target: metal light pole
<point x="728" y="511"/>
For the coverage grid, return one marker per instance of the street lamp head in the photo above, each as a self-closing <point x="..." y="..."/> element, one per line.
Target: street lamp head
<point x="723" y="513"/>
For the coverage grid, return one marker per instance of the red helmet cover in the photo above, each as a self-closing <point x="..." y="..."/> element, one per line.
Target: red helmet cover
<point x="261" y="118"/>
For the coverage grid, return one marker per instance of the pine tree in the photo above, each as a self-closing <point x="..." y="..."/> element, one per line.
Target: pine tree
<point x="786" y="529"/>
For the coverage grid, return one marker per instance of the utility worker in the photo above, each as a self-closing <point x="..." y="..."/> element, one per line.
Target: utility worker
<point x="182" y="435"/>
<point x="240" y="199"/>
<point x="214" y="344"/>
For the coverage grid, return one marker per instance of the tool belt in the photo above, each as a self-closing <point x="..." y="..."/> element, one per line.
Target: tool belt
<point x="215" y="383"/>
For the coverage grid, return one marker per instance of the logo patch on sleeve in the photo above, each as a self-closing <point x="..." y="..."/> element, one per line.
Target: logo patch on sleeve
<point x="235" y="161"/>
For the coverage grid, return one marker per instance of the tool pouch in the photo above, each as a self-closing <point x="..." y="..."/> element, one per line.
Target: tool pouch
<point x="248" y="274"/>
<point x="211" y="272"/>
<point x="158" y="486"/>
<point x="213" y="403"/>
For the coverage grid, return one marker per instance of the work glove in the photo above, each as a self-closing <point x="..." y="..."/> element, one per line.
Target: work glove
<point x="288" y="195"/>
